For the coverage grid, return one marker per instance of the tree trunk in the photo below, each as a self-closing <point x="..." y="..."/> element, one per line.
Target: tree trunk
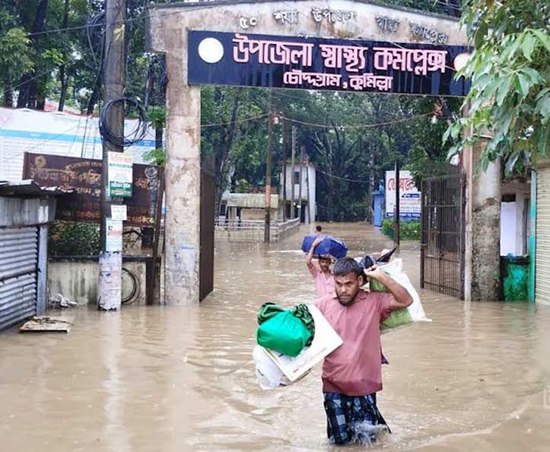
<point x="27" y="93"/>
<point x="63" y="76"/>
<point x="40" y="103"/>
<point x="330" y="192"/>
<point x="23" y="98"/>
<point x="94" y="98"/>
<point x="222" y="152"/>
<point x="64" y="79"/>
<point x="372" y="188"/>
<point x="8" y="94"/>
<point x="158" y="137"/>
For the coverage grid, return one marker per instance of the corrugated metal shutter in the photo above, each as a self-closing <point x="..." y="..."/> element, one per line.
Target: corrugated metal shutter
<point x="18" y="266"/>
<point x="542" y="278"/>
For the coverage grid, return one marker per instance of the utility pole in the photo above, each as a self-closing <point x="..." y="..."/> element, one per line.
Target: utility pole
<point x="397" y="215"/>
<point x="267" y="224"/>
<point x="300" y="196"/>
<point x="372" y="188"/>
<point x="309" y="206"/>
<point x="110" y="260"/>
<point x="292" y="181"/>
<point x="284" y="127"/>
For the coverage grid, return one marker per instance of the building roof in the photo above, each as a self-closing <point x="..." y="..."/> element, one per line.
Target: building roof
<point x="29" y="187"/>
<point x="249" y="200"/>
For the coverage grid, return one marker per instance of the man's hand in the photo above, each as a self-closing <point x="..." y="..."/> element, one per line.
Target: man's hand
<point x="374" y="272"/>
<point x="316" y="242"/>
<point x="401" y="296"/>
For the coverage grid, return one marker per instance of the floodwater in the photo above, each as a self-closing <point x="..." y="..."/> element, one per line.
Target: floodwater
<point x="181" y="379"/>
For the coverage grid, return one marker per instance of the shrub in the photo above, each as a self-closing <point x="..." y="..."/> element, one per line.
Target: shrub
<point x="73" y="239"/>
<point x="408" y="230"/>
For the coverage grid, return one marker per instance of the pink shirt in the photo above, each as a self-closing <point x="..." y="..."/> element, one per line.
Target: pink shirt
<point x="323" y="285"/>
<point x="354" y="368"/>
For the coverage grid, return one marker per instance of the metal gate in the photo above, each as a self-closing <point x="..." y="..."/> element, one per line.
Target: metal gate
<point x="208" y="193"/>
<point x="18" y="271"/>
<point x="442" y="246"/>
<point x="542" y="250"/>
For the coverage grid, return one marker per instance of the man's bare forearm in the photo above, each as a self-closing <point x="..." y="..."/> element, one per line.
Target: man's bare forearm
<point x="309" y="259"/>
<point x="400" y="294"/>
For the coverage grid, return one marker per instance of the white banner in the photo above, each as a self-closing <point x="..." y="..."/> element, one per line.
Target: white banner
<point x="410" y="197"/>
<point x="55" y="133"/>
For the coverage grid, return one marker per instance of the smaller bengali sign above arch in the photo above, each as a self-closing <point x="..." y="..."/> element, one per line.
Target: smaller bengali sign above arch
<point x="238" y="59"/>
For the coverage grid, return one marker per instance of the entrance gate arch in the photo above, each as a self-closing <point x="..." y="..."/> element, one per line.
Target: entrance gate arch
<point x="173" y="28"/>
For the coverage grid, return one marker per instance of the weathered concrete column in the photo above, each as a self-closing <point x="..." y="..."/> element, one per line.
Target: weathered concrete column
<point x="482" y="215"/>
<point x="182" y="167"/>
<point x="182" y="195"/>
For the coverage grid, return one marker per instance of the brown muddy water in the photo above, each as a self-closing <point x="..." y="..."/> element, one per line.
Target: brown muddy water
<point x="182" y="379"/>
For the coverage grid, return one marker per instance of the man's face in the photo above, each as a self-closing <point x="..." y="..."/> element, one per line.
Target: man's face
<point x="324" y="263"/>
<point x="347" y="287"/>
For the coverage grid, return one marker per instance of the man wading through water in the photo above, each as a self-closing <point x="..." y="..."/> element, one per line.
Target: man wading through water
<point x="322" y="275"/>
<point x="352" y="374"/>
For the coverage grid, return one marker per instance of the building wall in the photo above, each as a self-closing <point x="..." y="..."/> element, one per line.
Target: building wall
<point x="257" y="214"/>
<point x="77" y="280"/>
<point x="309" y="173"/>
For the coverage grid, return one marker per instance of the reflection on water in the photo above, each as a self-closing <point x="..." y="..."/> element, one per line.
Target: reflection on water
<point x="181" y="379"/>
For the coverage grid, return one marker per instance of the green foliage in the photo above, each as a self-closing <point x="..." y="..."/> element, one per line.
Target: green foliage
<point x="73" y="239"/>
<point x="157" y="117"/>
<point x="408" y="230"/>
<point x="155" y="157"/>
<point x="15" y="56"/>
<point x="510" y="74"/>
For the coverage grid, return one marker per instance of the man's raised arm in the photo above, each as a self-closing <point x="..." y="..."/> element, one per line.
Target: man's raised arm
<point x="401" y="296"/>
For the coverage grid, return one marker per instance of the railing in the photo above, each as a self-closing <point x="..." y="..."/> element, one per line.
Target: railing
<point x="254" y="229"/>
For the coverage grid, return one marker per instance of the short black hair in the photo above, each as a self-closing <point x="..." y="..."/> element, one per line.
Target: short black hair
<point x="347" y="265"/>
<point x="319" y="228"/>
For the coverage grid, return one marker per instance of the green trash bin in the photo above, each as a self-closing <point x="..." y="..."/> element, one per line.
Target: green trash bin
<point x="514" y="273"/>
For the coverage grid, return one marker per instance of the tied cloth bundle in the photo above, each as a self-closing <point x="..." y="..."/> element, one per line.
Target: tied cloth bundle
<point x="301" y="311"/>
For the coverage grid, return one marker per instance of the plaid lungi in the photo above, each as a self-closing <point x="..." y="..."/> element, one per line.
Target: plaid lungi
<point x="353" y="419"/>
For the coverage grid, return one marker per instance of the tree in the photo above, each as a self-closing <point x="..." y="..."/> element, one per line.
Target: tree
<point x="15" y="56"/>
<point x="29" y="81"/>
<point x="510" y="73"/>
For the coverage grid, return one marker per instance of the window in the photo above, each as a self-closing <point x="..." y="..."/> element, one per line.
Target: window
<point x="296" y="177"/>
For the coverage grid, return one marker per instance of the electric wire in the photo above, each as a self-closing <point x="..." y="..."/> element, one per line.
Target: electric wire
<point x="139" y="132"/>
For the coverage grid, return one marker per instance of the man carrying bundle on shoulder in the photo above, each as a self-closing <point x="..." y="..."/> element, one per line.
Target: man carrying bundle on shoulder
<point x="352" y="374"/>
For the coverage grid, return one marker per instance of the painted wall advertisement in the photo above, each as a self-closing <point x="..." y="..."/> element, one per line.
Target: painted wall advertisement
<point x="411" y="200"/>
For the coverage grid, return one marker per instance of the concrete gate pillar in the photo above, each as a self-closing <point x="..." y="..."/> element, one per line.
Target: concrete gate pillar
<point x="482" y="215"/>
<point x="183" y="165"/>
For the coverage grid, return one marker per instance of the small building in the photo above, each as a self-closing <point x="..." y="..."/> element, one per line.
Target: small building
<point x="247" y="207"/>
<point x="25" y="211"/>
<point x="304" y="191"/>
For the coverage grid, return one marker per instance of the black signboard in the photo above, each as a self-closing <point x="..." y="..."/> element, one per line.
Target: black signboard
<point x="84" y="177"/>
<point x="324" y="64"/>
